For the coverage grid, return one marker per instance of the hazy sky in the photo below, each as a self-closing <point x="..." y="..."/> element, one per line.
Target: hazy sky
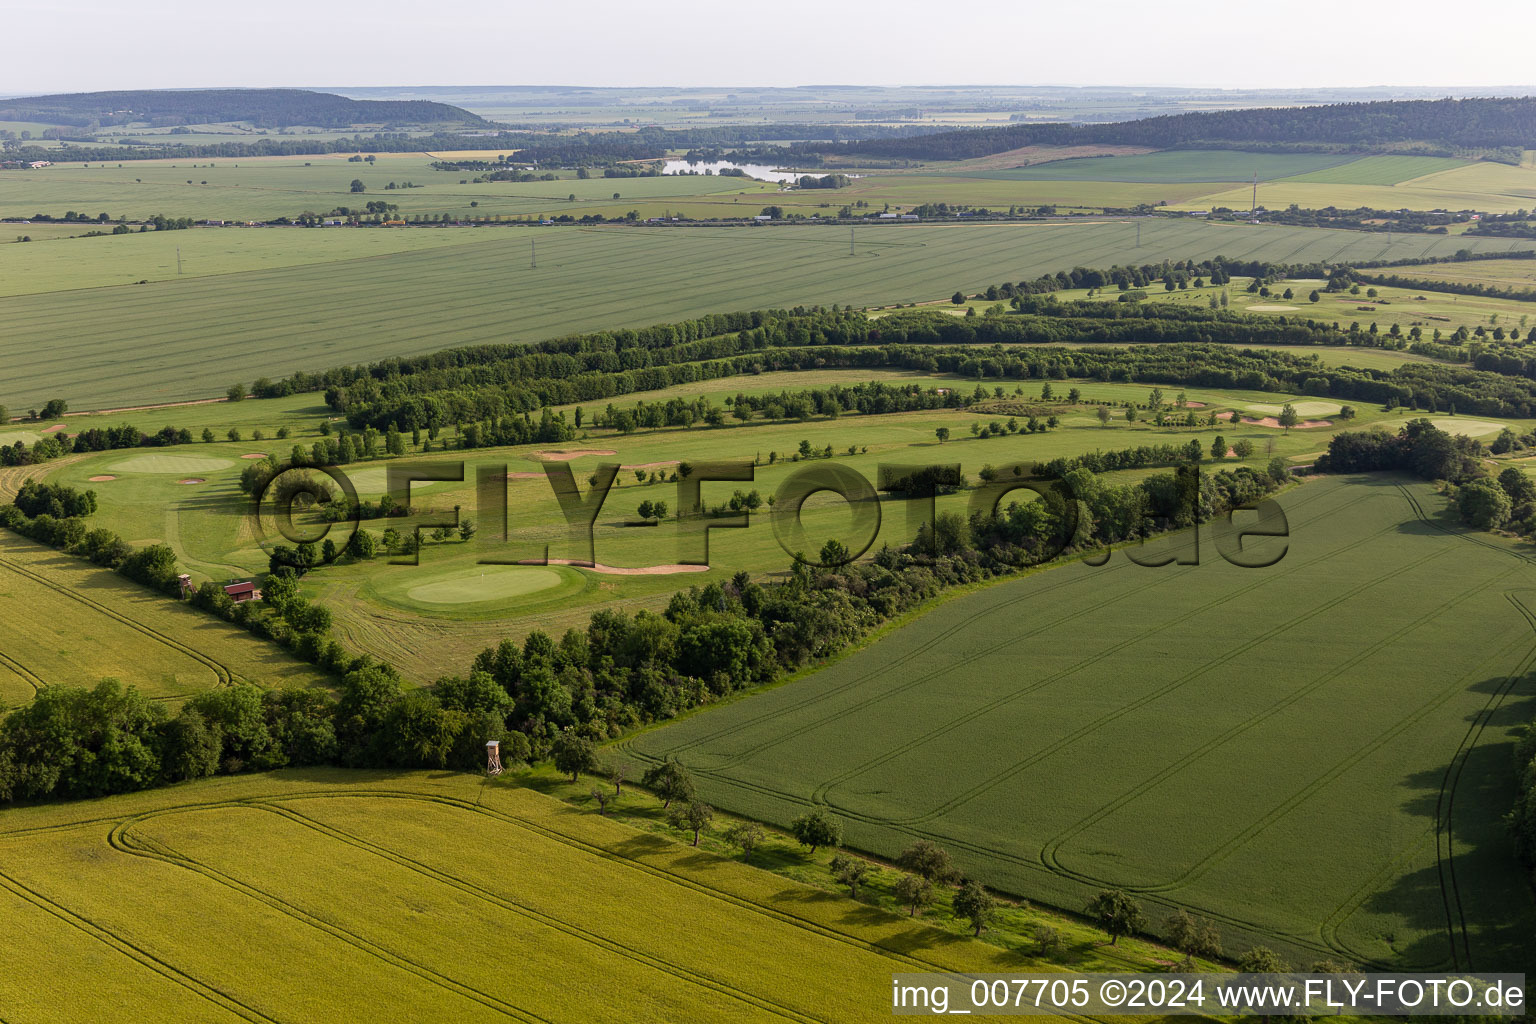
<point x="78" y="45"/>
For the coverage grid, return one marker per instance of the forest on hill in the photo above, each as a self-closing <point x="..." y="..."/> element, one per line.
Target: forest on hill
<point x="265" y="108"/>
<point x="1436" y="126"/>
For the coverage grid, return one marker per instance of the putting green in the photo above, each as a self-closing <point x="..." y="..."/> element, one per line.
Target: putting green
<point x="1467" y="428"/>
<point x="486" y="583"/>
<point x="1303" y="409"/>
<point x="181" y="465"/>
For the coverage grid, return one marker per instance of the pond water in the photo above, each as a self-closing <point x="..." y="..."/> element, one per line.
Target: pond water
<point x="762" y="172"/>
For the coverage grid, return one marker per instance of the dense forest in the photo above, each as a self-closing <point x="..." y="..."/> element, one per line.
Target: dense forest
<point x="265" y="108"/>
<point x="1439" y="126"/>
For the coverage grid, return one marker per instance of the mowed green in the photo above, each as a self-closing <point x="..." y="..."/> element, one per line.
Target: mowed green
<point x="1315" y="755"/>
<point x="65" y="621"/>
<point x="188" y="339"/>
<point x="416" y="896"/>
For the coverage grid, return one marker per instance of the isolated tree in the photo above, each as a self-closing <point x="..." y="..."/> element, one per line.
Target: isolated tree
<point x="467" y="529"/>
<point x="1218" y="447"/>
<point x="816" y="828"/>
<point x="929" y="860"/>
<point x="1103" y="415"/>
<point x="694" y="816"/>
<point x="1130" y="414"/>
<point x="746" y="836"/>
<point x="602" y="798"/>
<point x="669" y="780"/>
<point x="1155" y="399"/>
<point x="974" y="903"/>
<point x="1192" y="936"/>
<point x="208" y="437"/>
<point x="1235" y="418"/>
<point x="357" y="185"/>
<point x="1116" y="913"/>
<point x="1048" y="941"/>
<point x="572" y="753"/>
<point x="1243" y="448"/>
<point x="1262" y="960"/>
<point x="236" y="393"/>
<point x="1314" y="297"/>
<point x="914" y="892"/>
<point x="851" y="871"/>
<point x="942" y="434"/>
<point x="958" y="298"/>
<point x="1288" y="417"/>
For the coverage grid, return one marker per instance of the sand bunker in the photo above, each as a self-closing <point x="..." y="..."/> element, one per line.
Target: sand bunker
<point x="525" y="476"/>
<point x="1270" y="421"/>
<point x="255" y="455"/>
<point x="101" y="479"/>
<point x="56" y="426"/>
<point x="614" y="570"/>
<point x="192" y="480"/>
<point x="567" y="456"/>
<point x="650" y="465"/>
<point x="1194" y="405"/>
<point x="1265" y="307"/>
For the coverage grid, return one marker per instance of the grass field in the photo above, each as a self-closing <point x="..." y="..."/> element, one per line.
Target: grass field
<point x="190" y="338"/>
<point x="1423" y="307"/>
<point x="1489" y="187"/>
<point x="1498" y="273"/>
<point x="1205" y="736"/>
<point x="420" y="897"/>
<point x="63" y="620"/>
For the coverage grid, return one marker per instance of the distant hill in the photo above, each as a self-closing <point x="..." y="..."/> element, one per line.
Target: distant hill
<point x="265" y="108"/>
<point x="1436" y="125"/>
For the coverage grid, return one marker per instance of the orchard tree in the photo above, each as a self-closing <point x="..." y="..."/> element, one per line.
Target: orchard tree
<point x="1193" y="936"/>
<point x="573" y="754"/>
<point x="746" y="836"/>
<point x="851" y="871"/>
<point x="914" y="892"/>
<point x="928" y="860"/>
<point x="816" y="828"/>
<point x="974" y="903"/>
<point x="694" y="816"/>
<point x="669" y="780"/>
<point x="1117" y="914"/>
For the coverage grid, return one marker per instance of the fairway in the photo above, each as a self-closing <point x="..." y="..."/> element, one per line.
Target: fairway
<point x="175" y="464"/>
<point x="419" y="897"/>
<point x="191" y="338"/>
<point x="65" y="621"/>
<point x="1194" y="734"/>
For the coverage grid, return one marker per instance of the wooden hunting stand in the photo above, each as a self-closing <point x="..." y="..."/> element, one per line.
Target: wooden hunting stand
<point x="493" y="757"/>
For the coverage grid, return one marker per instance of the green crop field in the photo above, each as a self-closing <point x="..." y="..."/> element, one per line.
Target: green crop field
<point x="1379" y="170"/>
<point x="419" y="896"/>
<point x="1175" y="165"/>
<point x="62" y="620"/>
<point x="190" y="338"/>
<point x="1203" y="735"/>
